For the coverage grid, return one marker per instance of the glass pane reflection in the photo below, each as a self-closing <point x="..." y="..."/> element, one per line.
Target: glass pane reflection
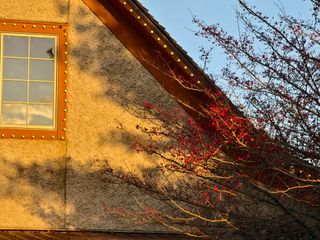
<point x="15" y="68"/>
<point x="42" y="47"/>
<point x="15" y="46"/>
<point x="41" y="70"/>
<point x="14" y="91"/>
<point x="41" y="92"/>
<point x="40" y="115"/>
<point x="14" y="113"/>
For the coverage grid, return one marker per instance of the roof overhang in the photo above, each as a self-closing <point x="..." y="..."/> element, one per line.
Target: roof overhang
<point x="155" y="50"/>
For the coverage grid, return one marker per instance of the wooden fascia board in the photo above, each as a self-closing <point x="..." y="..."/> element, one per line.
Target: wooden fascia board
<point x="154" y="57"/>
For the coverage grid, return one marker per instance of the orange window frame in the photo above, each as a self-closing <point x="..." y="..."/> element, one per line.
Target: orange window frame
<point x="60" y="31"/>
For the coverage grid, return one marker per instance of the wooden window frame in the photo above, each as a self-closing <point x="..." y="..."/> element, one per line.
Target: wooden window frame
<point x="59" y="30"/>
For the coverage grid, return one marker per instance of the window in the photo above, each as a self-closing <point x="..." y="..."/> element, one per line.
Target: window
<point x="32" y="80"/>
<point x="29" y="64"/>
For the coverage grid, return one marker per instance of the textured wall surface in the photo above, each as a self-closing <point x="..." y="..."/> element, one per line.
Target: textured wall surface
<point x="35" y="10"/>
<point x="58" y="184"/>
<point x="32" y="173"/>
<point x="32" y="180"/>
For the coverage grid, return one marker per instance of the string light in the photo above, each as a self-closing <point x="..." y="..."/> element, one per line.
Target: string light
<point x="40" y="28"/>
<point x="157" y="38"/>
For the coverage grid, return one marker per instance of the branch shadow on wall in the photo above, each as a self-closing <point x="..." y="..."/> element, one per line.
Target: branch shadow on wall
<point x="100" y="54"/>
<point x="33" y="197"/>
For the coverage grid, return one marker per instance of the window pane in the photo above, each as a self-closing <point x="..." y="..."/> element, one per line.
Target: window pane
<point x="14" y="91"/>
<point x="15" y="46"/>
<point x="40" y="115"/>
<point x="15" y="68"/>
<point x="41" y="92"/>
<point x="41" y="70"/>
<point x="14" y="113"/>
<point x="42" y="47"/>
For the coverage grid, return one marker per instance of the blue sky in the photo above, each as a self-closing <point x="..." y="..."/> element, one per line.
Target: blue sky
<point x="176" y="17"/>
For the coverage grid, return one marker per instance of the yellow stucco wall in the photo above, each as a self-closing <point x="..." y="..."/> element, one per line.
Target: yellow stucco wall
<point x="57" y="184"/>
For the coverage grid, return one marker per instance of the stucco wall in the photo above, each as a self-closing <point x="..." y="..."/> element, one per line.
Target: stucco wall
<point x="57" y="184"/>
<point x="35" y="10"/>
<point x="32" y="173"/>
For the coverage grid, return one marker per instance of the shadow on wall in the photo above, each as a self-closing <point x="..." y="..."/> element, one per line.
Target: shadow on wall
<point x="100" y="54"/>
<point x="62" y="7"/>
<point x="34" y="195"/>
<point x="31" y="194"/>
